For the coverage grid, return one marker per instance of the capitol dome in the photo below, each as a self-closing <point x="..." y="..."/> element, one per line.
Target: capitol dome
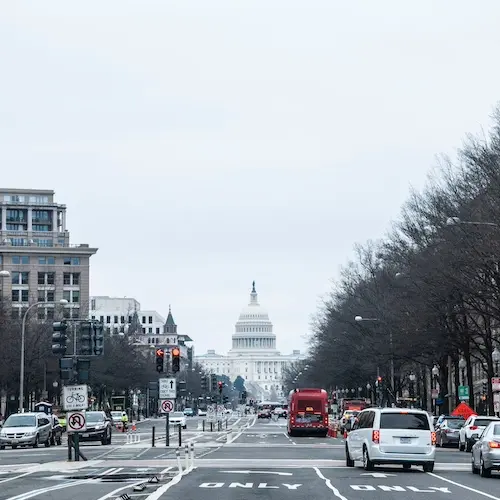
<point x="253" y="330"/>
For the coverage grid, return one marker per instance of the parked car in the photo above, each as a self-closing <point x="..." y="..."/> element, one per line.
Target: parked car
<point x="25" y="429"/>
<point x="177" y="417"/>
<point x="392" y="436"/>
<point x="264" y="414"/>
<point x="99" y="428"/>
<point x="475" y="424"/>
<point x="189" y="412"/>
<point x="486" y="450"/>
<point x="202" y="413"/>
<point x="448" y="432"/>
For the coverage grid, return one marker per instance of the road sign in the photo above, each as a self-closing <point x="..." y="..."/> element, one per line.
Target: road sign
<point x="495" y="384"/>
<point x="221" y="409"/>
<point x="463" y="392"/>
<point x="166" y="406"/>
<point x="75" y="397"/>
<point x="76" y="421"/>
<point x="167" y="388"/>
<point x="211" y="413"/>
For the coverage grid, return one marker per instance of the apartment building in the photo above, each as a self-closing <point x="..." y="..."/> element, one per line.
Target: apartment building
<point x="37" y="261"/>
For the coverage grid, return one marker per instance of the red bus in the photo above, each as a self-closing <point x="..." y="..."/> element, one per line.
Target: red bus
<point x="308" y="412"/>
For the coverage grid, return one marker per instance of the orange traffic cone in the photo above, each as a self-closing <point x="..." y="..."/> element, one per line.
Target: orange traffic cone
<point x="134" y="427"/>
<point x="345" y="433"/>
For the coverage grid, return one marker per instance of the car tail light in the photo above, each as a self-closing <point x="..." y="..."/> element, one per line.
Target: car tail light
<point x="433" y="438"/>
<point x="473" y="427"/>
<point x="494" y="444"/>
<point x="376" y="436"/>
<point x="447" y="431"/>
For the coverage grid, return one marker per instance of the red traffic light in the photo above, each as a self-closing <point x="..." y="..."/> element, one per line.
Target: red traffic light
<point x="220" y="384"/>
<point x="379" y="379"/>
<point x="176" y="352"/>
<point x="160" y="352"/>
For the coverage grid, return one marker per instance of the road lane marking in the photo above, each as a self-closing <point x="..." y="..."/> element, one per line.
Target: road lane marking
<point x="114" y="492"/>
<point x="34" y="493"/>
<point x="15" y="477"/>
<point x="257" y="472"/>
<point x="329" y="484"/>
<point x="484" y="494"/>
<point x="163" y="489"/>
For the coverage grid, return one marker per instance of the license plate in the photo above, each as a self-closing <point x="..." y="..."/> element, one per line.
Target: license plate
<point x="405" y="440"/>
<point x="15" y="441"/>
<point x="85" y="435"/>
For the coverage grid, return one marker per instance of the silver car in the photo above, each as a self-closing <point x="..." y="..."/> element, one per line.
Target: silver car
<point x="26" y="429"/>
<point x="486" y="450"/>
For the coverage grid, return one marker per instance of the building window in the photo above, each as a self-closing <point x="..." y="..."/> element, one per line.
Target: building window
<point x="101" y="319"/>
<point x="71" y="279"/>
<point x="144" y="319"/>
<point x="45" y="296"/>
<point x="44" y="261"/>
<point x="150" y="330"/>
<point x="122" y="319"/>
<point x="46" y="278"/>
<point x="108" y="319"/>
<point x="157" y="331"/>
<point x="71" y="261"/>
<point x="20" y="295"/>
<point x="40" y="227"/>
<point x="150" y="320"/>
<point x="143" y="330"/>
<point x="71" y="296"/>
<point x="116" y="319"/>
<point x="20" y="259"/>
<point x="20" y="278"/>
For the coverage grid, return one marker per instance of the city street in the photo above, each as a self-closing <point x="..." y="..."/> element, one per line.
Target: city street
<point x="259" y="456"/>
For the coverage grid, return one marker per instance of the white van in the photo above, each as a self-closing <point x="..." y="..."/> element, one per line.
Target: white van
<point x="392" y="436"/>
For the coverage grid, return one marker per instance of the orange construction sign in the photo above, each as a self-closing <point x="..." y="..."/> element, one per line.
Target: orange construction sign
<point x="463" y="410"/>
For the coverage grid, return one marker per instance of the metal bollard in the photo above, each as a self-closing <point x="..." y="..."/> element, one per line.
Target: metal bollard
<point x="180" y="435"/>
<point x="226" y="423"/>
<point x="211" y="426"/>
<point x="179" y="463"/>
<point x="203" y="425"/>
<point x="186" y="455"/>
<point x="191" y="449"/>
<point x="153" y="437"/>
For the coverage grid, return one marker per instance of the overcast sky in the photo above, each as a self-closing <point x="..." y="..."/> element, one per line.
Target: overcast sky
<point x="205" y="144"/>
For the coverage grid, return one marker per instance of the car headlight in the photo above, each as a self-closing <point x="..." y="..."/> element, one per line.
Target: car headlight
<point x="30" y="433"/>
<point x="99" y="426"/>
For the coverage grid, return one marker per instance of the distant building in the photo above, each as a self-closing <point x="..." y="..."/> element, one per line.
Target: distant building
<point x="253" y="356"/>
<point x="123" y="315"/>
<point x="35" y="251"/>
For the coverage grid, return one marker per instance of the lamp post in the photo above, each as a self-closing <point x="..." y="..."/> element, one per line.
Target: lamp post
<point x="456" y="221"/>
<point x="495" y="355"/>
<point x="435" y="374"/>
<point x="23" y="337"/>
<point x="3" y="274"/>
<point x="412" y="378"/>
<point x="462" y="364"/>
<point x="368" y="387"/>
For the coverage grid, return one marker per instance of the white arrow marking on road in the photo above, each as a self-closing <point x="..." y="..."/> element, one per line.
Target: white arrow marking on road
<point x="257" y="472"/>
<point x="377" y="474"/>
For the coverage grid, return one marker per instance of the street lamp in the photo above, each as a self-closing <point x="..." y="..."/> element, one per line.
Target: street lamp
<point x="3" y="274"/>
<point x="454" y="221"/>
<point x="435" y="371"/>
<point x="496" y="359"/>
<point x="23" y="336"/>
<point x="462" y="364"/>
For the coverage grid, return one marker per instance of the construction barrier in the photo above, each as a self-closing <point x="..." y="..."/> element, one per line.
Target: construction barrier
<point x="333" y="430"/>
<point x="132" y="435"/>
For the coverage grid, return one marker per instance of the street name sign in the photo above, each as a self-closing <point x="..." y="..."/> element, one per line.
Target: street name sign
<point x="76" y="421"/>
<point x="463" y="392"/>
<point x="75" y="397"/>
<point x="167" y="388"/>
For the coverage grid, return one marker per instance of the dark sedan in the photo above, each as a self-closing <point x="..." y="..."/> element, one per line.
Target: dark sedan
<point x="99" y="428"/>
<point x="449" y="432"/>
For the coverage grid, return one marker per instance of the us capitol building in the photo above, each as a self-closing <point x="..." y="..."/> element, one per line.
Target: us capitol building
<point x="254" y="355"/>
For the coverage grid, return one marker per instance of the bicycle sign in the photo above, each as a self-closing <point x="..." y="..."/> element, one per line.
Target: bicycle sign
<point x="76" y="421"/>
<point x="75" y="397"/>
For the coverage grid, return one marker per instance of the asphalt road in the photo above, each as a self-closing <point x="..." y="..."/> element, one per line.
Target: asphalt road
<point x="256" y="459"/>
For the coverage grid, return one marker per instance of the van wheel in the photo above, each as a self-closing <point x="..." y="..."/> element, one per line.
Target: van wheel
<point x="406" y="466"/>
<point x="349" y="462"/>
<point x="461" y="447"/>
<point x="429" y="467"/>
<point x="367" y="463"/>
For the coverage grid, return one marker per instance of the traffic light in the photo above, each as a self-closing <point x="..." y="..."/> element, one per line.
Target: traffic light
<point x="204" y="384"/>
<point x="225" y="399"/>
<point x="98" y="338"/>
<point x="244" y="396"/>
<point x="160" y="357"/>
<point x="485" y="388"/>
<point x="82" y="370"/>
<point x="213" y="383"/>
<point x="85" y="339"/>
<point x="221" y="386"/>
<point x="59" y="338"/>
<point x="66" y="369"/>
<point x="176" y="360"/>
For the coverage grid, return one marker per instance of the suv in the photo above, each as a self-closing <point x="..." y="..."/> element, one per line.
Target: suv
<point x="475" y="424"/>
<point x="392" y="436"/>
<point x="26" y="429"/>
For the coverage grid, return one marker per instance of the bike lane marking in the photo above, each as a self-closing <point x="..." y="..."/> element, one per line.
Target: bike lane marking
<point x="329" y="484"/>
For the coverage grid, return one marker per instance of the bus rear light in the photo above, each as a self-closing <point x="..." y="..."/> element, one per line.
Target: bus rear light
<point x="376" y="436"/>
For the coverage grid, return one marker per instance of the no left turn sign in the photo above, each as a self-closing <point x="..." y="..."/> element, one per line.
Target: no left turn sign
<point x="167" y="406"/>
<point x="76" y="421"/>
